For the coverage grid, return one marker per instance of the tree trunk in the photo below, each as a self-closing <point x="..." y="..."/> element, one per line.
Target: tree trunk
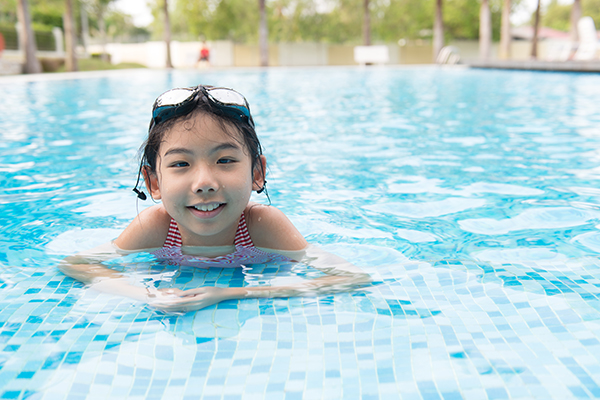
<point x="70" y="60"/>
<point x="536" y="26"/>
<point x="505" y="37"/>
<point x="102" y="26"/>
<point x="263" y="35"/>
<point x="169" y="64"/>
<point x="366" y="24"/>
<point x="85" y="27"/>
<point x="575" y="17"/>
<point x="438" y="30"/>
<point x="27" y="38"/>
<point x="485" y="30"/>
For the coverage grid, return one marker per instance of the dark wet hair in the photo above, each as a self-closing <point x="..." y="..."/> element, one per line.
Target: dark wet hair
<point x="149" y="150"/>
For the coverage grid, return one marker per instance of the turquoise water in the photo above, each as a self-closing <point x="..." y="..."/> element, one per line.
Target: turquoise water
<point x="470" y="196"/>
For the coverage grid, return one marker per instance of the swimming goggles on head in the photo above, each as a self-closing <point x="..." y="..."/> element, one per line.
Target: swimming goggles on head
<point x="181" y="101"/>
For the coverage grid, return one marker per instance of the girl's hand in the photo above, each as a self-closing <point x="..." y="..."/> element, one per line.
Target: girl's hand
<point x="175" y="300"/>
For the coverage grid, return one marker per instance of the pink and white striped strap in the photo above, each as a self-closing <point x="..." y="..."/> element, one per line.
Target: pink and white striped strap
<point x="242" y="236"/>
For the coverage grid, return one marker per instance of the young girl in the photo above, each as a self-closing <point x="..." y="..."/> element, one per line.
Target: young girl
<point x="202" y="159"/>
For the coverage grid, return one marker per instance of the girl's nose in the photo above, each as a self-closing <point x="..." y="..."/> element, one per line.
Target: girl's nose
<point x="204" y="181"/>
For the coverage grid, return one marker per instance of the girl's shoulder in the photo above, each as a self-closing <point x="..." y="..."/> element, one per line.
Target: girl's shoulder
<point x="147" y="231"/>
<point x="269" y="228"/>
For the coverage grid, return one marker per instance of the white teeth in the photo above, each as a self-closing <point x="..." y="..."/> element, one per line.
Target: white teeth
<point x="207" y="207"/>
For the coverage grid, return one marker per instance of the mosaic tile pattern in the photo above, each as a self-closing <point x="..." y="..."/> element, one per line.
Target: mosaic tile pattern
<point x="442" y="330"/>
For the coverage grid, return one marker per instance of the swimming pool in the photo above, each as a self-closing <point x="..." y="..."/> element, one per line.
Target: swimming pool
<point x="470" y="196"/>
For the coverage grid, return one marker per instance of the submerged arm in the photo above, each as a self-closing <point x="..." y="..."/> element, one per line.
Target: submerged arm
<point x="271" y="229"/>
<point x="87" y="268"/>
<point x="341" y="276"/>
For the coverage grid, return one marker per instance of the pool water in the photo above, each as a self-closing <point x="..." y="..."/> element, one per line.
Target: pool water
<point x="471" y="197"/>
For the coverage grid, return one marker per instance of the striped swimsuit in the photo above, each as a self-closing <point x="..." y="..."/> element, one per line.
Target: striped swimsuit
<point x="245" y="251"/>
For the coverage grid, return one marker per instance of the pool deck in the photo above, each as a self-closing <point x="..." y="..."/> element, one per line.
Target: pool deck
<point x="538" y="65"/>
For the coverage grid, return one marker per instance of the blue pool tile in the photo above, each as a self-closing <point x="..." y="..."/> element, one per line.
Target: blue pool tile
<point x="579" y="392"/>
<point x="496" y="393"/>
<point x="164" y="352"/>
<point x="294" y="395"/>
<point x="53" y="361"/>
<point x="276" y="387"/>
<point x="452" y="395"/>
<point x="125" y="370"/>
<point x="138" y="391"/>
<point x="141" y="382"/>
<point x="590" y="342"/>
<point x="80" y="388"/>
<point x="428" y="390"/>
<point x="103" y="379"/>
<point x="73" y="357"/>
<point x="25" y="374"/>
<point x="35" y="320"/>
<point x="257" y="369"/>
<point x="297" y="375"/>
<point x="144" y="372"/>
<point x="333" y="373"/>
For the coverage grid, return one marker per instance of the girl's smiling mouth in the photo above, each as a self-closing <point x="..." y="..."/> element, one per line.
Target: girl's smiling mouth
<point x="207" y="210"/>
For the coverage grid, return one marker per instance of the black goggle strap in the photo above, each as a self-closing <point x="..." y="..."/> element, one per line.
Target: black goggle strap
<point x="173" y="103"/>
<point x="140" y="194"/>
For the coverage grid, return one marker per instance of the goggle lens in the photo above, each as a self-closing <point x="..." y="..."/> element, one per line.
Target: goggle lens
<point x="176" y="102"/>
<point x="174" y="97"/>
<point x="227" y="97"/>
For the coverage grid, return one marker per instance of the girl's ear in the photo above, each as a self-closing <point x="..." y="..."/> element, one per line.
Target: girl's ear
<point x="151" y="181"/>
<point x="258" y="176"/>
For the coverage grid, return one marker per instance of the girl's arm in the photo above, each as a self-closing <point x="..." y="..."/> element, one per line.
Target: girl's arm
<point x="341" y="276"/>
<point x="86" y="267"/>
<point x="147" y="231"/>
<point x="272" y="231"/>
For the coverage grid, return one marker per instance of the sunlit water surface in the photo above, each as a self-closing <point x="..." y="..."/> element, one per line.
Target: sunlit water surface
<point x="470" y="196"/>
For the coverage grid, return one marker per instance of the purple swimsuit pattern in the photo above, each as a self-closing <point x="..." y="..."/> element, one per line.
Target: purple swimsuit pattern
<point x="245" y="251"/>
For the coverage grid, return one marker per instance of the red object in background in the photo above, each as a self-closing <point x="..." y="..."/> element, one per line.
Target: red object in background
<point x="204" y="54"/>
<point x="1" y="44"/>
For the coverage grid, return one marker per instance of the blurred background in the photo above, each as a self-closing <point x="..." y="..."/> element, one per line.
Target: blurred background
<point x="59" y="35"/>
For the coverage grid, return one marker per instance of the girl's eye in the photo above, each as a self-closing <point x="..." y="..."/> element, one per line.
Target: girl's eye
<point x="225" y="161"/>
<point x="180" y="164"/>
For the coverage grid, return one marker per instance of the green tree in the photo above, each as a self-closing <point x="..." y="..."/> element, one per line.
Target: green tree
<point x="329" y="21"/>
<point x="404" y="19"/>
<point x="99" y="9"/>
<point x="558" y="16"/>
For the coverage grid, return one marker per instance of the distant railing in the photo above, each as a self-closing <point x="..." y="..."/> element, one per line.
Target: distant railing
<point x="11" y="39"/>
<point x="45" y="41"/>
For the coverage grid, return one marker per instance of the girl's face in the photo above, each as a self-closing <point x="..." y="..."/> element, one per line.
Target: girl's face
<point x="204" y="178"/>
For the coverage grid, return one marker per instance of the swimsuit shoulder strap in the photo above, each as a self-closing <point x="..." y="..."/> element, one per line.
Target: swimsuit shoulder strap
<point x="174" y="236"/>
<point x="242" y="236"/>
